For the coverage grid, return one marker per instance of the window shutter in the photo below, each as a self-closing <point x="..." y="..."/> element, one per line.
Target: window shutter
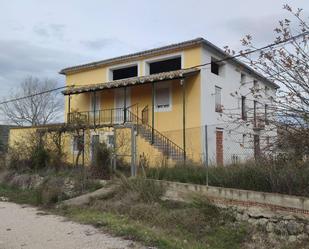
<point x="162" y="97"/>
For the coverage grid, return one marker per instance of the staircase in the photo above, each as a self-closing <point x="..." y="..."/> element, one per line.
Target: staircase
<point x="162" y="143"/>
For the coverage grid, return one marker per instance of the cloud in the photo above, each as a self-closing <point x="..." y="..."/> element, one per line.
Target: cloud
<point x="19" y="59"/>
<point x="99" y="44"/>
<point x="50" y="30"/>
<point x="41" y="31"/>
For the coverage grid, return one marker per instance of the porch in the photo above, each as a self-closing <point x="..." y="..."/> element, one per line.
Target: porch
<point x="143" y="115"/>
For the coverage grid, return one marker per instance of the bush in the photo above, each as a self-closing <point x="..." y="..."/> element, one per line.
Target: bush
<point x="101" y="166"/>
<point x="285" y="177"/>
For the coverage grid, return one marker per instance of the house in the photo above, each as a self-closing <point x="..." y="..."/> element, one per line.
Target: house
<point x="169" y="102"/>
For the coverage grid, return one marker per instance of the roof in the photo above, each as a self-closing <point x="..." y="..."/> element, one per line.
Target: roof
<point x="176" y="46"/>
<point x="96" y="64"/>
<point x="178" y="74"/>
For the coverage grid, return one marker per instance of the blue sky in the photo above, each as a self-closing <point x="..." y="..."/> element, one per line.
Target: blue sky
<point x="39" y="38"/>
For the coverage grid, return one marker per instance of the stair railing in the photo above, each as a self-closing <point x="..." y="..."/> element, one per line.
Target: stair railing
<point x="168" y="146"/>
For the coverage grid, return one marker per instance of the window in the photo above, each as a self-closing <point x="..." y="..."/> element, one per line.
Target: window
<point x="218" y="105"/>
<point x="215" y="67"/>
<point x="110" y="140"/>
<point x="254" y="113"/>
<point x="163" y="98"/>
<point x="242" y="78"/>
<point x="165" y="65"/>
<point x="78" y="143"/>
<point x="243" y="108"/>
<point x="266" y="114"/>
<point x="123" y="73"/>
<point x="255" y="84"/>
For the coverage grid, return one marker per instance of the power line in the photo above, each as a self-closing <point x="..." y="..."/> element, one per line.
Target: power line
<point x="231" y="57"/>
<point x="33" y="95"/>
<point x="196" y="66"/>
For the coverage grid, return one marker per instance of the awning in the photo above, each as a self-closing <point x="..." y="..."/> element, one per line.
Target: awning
<point x="178" y="74"/>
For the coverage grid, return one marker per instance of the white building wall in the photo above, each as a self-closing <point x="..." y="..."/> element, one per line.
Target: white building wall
<point x="236" y="145"/>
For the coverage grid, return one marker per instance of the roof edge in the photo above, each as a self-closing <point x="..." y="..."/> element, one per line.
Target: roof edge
<point x="95" y="64"/>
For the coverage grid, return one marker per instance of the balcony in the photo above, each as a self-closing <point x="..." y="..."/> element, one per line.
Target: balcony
<point x="106" y="117"/>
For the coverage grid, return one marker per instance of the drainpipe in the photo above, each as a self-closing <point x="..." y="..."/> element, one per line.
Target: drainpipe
<point x="69" y="108"/>
<point x="94" y="106"/>
<point x="183" y="84"/>
<point x="152" y="127"/>
<point x="125" y="105"/>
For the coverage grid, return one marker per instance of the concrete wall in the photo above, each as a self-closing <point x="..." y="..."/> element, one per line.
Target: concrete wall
<point x="237" y="197"/>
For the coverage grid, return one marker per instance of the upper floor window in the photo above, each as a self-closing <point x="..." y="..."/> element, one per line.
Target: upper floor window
<point x="242" y="78"/>
<point x="218" y="104"/>
<point x="255" y="84"/>
<point x="266" y="114"/>
<point x="215" y="66"/>
<point x="243" y="108"/>
<point x="163" y="98"/>
<point x="123" y="73"/>
<point x="165" y="65"/>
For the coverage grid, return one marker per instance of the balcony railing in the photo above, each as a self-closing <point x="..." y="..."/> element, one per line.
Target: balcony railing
<point x="103" y="117"/>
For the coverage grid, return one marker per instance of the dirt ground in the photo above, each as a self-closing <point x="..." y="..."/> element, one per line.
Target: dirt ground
<point x="25" y="227"/>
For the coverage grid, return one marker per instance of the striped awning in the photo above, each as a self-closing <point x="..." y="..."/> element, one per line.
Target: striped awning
<point x="178" y="74"/>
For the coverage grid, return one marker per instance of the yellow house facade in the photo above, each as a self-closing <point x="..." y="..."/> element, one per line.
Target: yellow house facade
<point x="152" y="104"/>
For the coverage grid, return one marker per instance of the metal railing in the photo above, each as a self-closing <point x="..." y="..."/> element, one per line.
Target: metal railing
<point x="163" y="143"/>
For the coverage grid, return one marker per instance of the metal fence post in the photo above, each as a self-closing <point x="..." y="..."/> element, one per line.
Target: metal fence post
<point x="206" y="153"/>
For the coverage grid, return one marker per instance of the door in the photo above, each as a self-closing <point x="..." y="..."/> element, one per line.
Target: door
<point x="119" y="104"/>
<point x="219" y="147"/>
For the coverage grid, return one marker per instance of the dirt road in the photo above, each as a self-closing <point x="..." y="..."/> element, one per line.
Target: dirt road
<point x="25" y="228"/>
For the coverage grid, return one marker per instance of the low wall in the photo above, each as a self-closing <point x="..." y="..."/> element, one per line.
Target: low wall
<point x="237" y="197"/>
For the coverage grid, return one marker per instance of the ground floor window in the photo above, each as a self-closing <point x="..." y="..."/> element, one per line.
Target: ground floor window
<point x="78" y="143"/>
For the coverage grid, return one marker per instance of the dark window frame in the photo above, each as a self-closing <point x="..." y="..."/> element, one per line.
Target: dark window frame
<point x="163" y="65"/>
<point x="124" y="72"/>
<point x="244" y="115"/>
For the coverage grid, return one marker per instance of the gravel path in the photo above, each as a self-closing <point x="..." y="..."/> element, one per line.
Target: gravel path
<point x="23" y="227"/>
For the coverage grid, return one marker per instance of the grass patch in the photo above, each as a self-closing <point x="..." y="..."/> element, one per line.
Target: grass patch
<point x="19" y="196"/>
<point x="135" y="210"/>
<point x="136" y="229"/>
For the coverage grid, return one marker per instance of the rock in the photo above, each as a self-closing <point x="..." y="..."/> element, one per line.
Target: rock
<point x="270" y="227"/>
<point x="259" y="213"/>
<point x="288" y="217"/>
<point x="294" y="228"/>
<point x="280" y="228"/>
<point x="4" y="199"/>
<point x="302" y="236"/>
<point x="292" y="238"/>
<point x="262" y="222"/>
<point x="35" y="181"/>
<point x="307" y="229"/>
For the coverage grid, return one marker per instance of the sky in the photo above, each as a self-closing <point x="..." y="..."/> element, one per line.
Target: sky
<point x="39" y="38"/>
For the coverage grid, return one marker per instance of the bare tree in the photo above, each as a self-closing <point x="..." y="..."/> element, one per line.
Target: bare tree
<point x="286" y="64"/>
<point x="37" y="109"/>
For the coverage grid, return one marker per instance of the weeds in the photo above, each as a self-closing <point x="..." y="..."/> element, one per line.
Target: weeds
<point x="287" y="177"/>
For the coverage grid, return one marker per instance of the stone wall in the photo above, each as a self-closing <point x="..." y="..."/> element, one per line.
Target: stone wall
<point x="281" y="216"/>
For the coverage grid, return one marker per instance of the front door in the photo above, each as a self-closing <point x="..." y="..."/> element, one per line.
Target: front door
<point x="119" y="104"/>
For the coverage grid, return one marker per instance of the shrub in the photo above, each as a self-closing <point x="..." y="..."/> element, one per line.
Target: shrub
<point x="147" y="191"/>
<point x="101" y="166"/>
<point x="285" y="177"/>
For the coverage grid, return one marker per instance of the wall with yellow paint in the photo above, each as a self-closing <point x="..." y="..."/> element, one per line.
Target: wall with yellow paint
<point x="169" y="123"/>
